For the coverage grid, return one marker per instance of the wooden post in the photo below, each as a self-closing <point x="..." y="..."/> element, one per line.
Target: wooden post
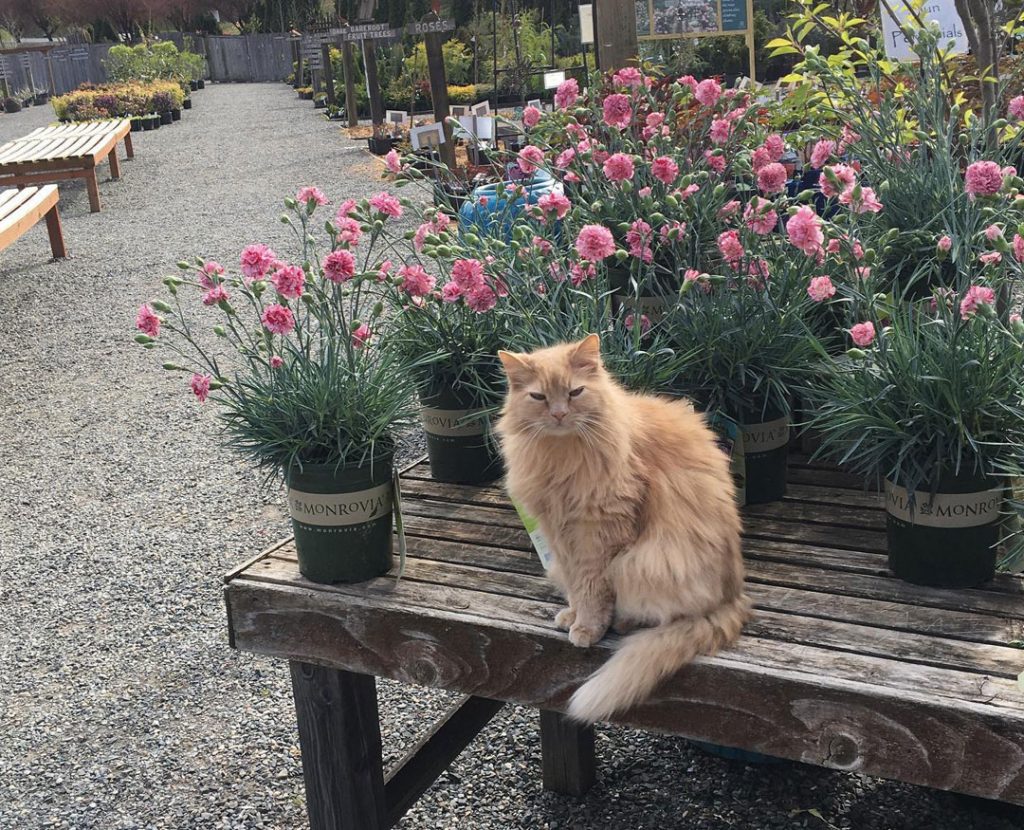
<point x="351" y="105"/>
<point x="325" y="54"/>
<point x="439" y="89"/>
<point x="339" y="733"/>
<point x="297" y="61"/>
<point x="615" y="33"/>
<point x="373" y="86"/>
<point x="567" y="752"/>
<point x="750" y="41"/>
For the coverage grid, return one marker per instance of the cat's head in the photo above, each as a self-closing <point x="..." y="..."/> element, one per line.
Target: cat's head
<point x="560" y="390"/>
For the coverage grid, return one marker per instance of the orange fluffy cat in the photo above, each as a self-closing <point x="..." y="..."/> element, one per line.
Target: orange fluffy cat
<point x="637" y="503"/>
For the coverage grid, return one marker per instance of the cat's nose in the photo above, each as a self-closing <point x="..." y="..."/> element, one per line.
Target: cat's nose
<point x="558" y="414"/>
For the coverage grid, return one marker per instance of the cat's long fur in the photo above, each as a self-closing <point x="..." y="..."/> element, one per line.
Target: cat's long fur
<point x="638" y="504"/>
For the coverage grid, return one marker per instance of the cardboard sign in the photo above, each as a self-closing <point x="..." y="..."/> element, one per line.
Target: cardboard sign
<point x="458" y="110"/>
<point x="536" y="102"/>
<point x="396" y="117"/>
<point x="483" y="108"/>
<point x="429" y="137"/>
<point x="942" y="12"/>
<point x="587" y="23"/>
<point x="553" y="79"/>
<point x="482" y="129"/>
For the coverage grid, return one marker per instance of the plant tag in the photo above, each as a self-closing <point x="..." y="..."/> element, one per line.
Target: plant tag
<point x="399" y="524"/>
<point x="540" y="544"/>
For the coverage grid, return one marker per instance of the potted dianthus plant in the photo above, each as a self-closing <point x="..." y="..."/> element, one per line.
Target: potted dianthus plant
<point x="308" y="380"/>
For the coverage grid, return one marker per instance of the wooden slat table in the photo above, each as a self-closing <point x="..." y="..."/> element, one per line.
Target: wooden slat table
<point x="22" y="209"/>
<point x="842" y="666"/>
<point x="66" y="151"/>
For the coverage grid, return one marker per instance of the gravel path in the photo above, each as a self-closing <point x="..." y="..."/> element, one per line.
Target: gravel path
<point x="121" y="705"/>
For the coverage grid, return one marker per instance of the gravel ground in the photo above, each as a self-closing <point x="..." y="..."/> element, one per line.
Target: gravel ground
<point x="121" y="705"/>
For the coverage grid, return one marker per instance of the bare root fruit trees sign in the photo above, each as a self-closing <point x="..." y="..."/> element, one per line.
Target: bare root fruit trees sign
<point x="896" y="14"/>
<point x="667" y="19"/>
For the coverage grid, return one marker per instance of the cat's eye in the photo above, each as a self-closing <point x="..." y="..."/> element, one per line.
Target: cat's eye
<point x="537" y="396"/>
<point x="575" y="393"/>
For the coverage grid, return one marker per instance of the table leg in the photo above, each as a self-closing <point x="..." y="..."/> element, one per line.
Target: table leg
<point x="129" y="151"/>
<point x="56" y="233"/>
<point x="567" y="750"/>
<point x="94" y="190"/>
<point x="339" y="732"/>
<point x="115" y="165"/>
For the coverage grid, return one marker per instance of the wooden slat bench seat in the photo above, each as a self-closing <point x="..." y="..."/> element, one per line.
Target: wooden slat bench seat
<point x="66" y="151"/>
<point x="842" y="666"/>
<point x="22" y="209"/>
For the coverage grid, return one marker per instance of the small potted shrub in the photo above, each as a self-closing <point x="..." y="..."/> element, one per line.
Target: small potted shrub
<point x="320" y="101"/>
<point x="310" y="389"/>
<point x="163" y="104"/>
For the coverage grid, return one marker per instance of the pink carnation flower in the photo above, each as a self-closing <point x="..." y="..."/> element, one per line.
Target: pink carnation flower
<point x="720" y="130"/>
<point x="1016" y="108"/>
<point x="760" y="217"/>
<point x="542" y="245"/>
<point x="361" y="335"/>
<point x="306" y="194"/>
<point x="468" y="274"/>
<point x="977" y="295"/>
<point x="215" y="295"/>
<point x="993" y="232"/>
<point x="645" y="322"/>
<point x="760" y="158"/>
<point x="644" y="192"/>
<point x="804" y="229"/>
<point x="664" y="169"/>
<point x="821" y="289"/>
<point x="210" y="274"/>
<point x="654" y="120"/>
<point x="200" y="385"/>
<point x="531" y="117"/>
<point x="774" y="146"/>
<point x="482" y="299"/>
<point x="991" y="258"/>
<point x="619" y="167"/>
<point x="346" y="208"/>
<point x="708" y="92"/>
<point x="629" y="76"/>
<point x="1018" y="247"/>
<point x="386" y="204"/>
<point x="863" y="334"/>
<point x="393" y="162"/>
<point x="864" y="202"/>
<point x="529" y="157"/>
<point x="837" y="179"/>
<point x="715" y="161"/>
<point x="617" y="110"/>
<point x="256" y="261"/>
<point x="567" y="93"/>
<point x="277" y="319"/>
<point x="450" y="292"/>
<point x="564" y="159"/>
<point x="555" y="203"/>
<point x="772" y="178"/>
<point x="637" y="238"/>
<point x="339" y="266"/>
<point x="822" y="152"/>
<point x="289" y="281"/>
<point x="416" y="281"/>
<point x="276" y="361"/>
<point x="147" y="322"/>
<point x="579" y="274"/>
<point x="595" y="242"/>
<point x="728" y="209"/>
<point x="688" y="80"/>
<point x="944" y="244"/>
<point x="983" y="178"/>
<point x="731" y="247"/>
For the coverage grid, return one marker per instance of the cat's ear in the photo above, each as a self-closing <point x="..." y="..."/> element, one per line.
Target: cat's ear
<point x="517" y="367"/>
<point x="587" y="354"/>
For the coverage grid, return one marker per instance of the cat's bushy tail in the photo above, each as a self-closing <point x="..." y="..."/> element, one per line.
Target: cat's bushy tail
<point x="647" y="657"/>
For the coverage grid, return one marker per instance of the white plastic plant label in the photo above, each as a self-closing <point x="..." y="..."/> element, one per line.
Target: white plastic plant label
<point x="540" y="544"/>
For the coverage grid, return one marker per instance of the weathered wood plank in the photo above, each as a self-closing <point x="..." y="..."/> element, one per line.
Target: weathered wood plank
<point x="567" y="754"/>
<point x="339" y="733"/>
<point x="873" y="716"/>
<point x="434" y="752"/>
<point x="504" y="614"/>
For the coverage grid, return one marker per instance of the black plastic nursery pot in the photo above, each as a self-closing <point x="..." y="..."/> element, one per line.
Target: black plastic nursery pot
<point x="651" y="300"/>
<point x="187" y="104"/>
<point x="765" y="455"/>
<point x="201" y="83"/>
<point x="166" y="117"/>
<point x="136" y="125"/>
<point x="176" y="115"/>
<point x="342" y="519"/>
<point x="460" y="449"/>
<point x="946" y="539"/>
<point x="379" y="146"/>
<point x="193" y="85"/>
<point x="150" y="122"/>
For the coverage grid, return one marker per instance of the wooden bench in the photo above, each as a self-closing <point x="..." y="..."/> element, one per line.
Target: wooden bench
<point x="66" y="151"/>
<point x="842" y="666"/>
<point x="22" y="209"/>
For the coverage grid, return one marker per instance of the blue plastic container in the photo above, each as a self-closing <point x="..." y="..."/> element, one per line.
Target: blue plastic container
<point x="487" y="213"/>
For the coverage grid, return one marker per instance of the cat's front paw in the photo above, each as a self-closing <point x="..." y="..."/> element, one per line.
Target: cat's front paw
<point x="565" y="618"/>
<point x="584" y="636"/>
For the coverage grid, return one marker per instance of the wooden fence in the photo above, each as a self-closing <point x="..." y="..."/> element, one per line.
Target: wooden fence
<point x="240" y="58"/>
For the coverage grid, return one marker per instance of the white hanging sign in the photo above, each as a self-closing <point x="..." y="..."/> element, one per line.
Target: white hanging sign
<point x="942" y="12"/>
